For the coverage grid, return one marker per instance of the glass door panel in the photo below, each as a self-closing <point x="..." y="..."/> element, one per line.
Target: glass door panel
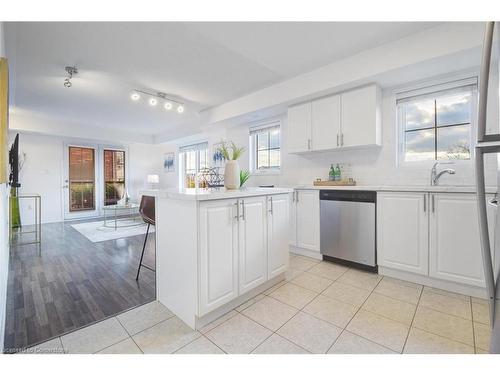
<point x="114" y="176"/>
<point x="81" y="179"/>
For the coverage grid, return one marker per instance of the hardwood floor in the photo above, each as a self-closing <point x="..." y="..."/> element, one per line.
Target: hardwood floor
<point x="74" y="283"/>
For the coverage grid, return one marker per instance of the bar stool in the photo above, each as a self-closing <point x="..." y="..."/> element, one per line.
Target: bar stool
<point x="147" y="212"/>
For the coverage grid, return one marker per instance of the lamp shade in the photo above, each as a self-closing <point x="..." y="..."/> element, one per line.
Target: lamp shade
<point x="153" y="179"/>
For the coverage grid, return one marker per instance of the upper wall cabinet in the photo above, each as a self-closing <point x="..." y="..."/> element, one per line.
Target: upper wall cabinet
<point x="299" y="128"/>
<point x="350" y="119"/>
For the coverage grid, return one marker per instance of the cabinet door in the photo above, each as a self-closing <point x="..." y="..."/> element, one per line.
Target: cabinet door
<point x="360" y="117"/>
<point x="299" y="128"/>
<point x="277" y="234"/>
<point x="455" y="250"/>
<point x="402" y="231"/>
<point x="218" y="254"/>
<point x="325" y="123"/>
<point x="252" y="243"/>
<point x="307" y="205"/>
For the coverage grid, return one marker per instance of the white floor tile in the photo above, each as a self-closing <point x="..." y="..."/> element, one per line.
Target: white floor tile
<point x="331" y="310"/>
<point x="201" y="345"/>
<point x="422" y="342"/>
<point x="349" y="343"/>
<point x="144" y="316"/>
<point x="270" y="313"/>
<point x="278" y="345"/>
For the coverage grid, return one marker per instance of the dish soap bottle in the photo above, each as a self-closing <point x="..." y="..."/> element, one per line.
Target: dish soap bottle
<point x="338" y="173"/>
<point x="331" y="173"/>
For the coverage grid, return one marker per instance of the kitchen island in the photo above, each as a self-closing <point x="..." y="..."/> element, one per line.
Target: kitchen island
<point x="217" y="248"/>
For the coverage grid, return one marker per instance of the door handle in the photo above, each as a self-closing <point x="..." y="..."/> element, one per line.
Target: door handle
<point x="243" y="213"/>
<point x="342" y="139"/>
<point x="484" y="78"/>
<point x="237" y="217"/>
<point x="432" y="203"/>
<point x="337" y="139"/>
<point x="297" y="197"/>
<point x="309" y="144"/>
<point x="425" y="202"/>
<point x="272" y="210"/>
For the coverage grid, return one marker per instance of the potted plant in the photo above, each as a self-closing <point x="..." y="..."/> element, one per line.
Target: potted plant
<point x="231" y="154"/>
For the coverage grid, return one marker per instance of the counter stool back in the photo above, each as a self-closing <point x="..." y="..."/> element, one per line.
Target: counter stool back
<point x="147" y="212"/>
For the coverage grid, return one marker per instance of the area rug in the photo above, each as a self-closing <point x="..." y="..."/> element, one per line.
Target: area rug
<point x="95" y="231"/>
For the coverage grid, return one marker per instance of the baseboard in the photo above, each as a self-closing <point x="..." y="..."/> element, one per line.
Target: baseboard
<point x="305" y="252"/>
<point x="468" y="290"/>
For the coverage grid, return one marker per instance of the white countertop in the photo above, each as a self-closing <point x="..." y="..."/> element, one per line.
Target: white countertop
<point x="215" y="193"/>
<point x="416" y="188"/>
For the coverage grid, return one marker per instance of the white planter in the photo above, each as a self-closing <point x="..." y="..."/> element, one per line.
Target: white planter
<point x="232" y="175"/>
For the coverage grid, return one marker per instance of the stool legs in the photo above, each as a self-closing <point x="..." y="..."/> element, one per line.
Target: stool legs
<point x="142" y="255"/>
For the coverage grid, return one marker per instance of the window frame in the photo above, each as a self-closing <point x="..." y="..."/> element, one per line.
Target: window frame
<point x="253" y="154"/>
<point x="197" y="148"/>
<point x="428" y="89"/>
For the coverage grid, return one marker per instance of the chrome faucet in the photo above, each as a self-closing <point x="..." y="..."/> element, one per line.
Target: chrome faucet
<point x="435" y="176"/>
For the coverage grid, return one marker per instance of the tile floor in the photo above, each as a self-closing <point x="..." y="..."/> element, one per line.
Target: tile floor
<point x="320" y="308"/>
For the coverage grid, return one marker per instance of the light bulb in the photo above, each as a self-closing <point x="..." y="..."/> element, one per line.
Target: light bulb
<point x="135" y="96"/>
<point x="168" y="106"/>
<point x="153" y="102"/>
<point x="180" y="109"/>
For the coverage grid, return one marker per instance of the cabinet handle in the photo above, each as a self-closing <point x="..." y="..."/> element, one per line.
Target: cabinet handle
<point x="432" y="203"/>
<point x="425" y="202"/>
<point x="297" y="197"/>
<point x="243" y="213"/>
<point x="342" y="139"/>
<point x="237" y="217"/>
<point x="272" y="210"/>
<point x="308" y="144"/>
<point x="337" y="139"/>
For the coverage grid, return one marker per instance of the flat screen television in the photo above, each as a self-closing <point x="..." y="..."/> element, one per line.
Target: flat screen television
<point x="14" y="163"/>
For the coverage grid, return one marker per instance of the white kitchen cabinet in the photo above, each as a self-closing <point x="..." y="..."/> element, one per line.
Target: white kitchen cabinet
<point x="325" y="123"/>
<point x="346" y="120"/>
<point x="252" y="234"/>
<point x="218" y="254"/>
<point x="277" y="234"/>
<point x="402" y="231"/>
<point x="455" y="252"/>
<point x="307" y="219"/>
<point x="299" y="128"/>
<point x="361" y="124"/>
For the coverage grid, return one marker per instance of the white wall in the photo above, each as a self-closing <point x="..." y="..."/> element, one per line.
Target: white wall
<point x="4" y="232"/>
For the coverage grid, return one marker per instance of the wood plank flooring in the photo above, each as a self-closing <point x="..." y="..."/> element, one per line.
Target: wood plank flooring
<point x="74" y="283"/>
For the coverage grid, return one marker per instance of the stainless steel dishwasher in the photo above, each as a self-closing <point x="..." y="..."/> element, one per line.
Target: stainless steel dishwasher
<point x="348" y="227"/>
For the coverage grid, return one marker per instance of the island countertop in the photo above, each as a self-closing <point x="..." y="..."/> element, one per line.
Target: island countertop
<point x="199" y="194"/>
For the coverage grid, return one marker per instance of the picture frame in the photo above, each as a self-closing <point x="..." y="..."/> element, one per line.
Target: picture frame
<point x="169" y="162"/>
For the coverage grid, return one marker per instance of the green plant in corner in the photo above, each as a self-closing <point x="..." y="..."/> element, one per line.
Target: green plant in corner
<point x="244" y="176"/>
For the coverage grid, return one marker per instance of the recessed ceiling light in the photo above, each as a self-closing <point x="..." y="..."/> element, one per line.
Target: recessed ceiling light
<point x="153" y="102"/>
<point x="180" y="109"/>
<point x="135" y="96"/>
<point x="168" y="106"/>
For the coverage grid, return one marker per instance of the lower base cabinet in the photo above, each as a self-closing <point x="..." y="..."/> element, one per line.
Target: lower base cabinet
<point x="252" y="233"/>
<point x="433" y="234"/>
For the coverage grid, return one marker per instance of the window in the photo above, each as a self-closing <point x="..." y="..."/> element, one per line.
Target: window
<point x="81" y="178"/>
<point x="114" y="176"/>
<point x="435" y="122"/>
<point x="194" y="158"/>
<point x="265" y="148"/>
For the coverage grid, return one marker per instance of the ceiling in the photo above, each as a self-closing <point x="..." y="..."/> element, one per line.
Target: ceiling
<point x="202" y="64"/>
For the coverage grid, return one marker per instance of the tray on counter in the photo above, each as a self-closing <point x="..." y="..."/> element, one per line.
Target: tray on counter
<point x="335" y="183"/>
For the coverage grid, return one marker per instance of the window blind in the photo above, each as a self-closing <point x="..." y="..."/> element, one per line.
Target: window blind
<point x="194" y="147"/>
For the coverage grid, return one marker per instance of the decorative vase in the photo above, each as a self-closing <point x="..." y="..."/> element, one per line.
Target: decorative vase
<point x="232" y="175"/>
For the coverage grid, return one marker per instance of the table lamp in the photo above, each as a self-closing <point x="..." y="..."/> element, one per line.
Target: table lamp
<point x="153" y="181"/>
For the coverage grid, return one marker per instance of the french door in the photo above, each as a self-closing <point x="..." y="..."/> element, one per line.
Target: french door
<point x="80" y="188"/>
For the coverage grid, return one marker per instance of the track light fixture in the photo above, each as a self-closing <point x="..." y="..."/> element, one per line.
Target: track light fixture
<point x="158" y="97"/>
<point x="70" y="71"/>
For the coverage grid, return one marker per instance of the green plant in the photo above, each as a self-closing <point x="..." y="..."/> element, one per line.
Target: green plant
<point x="244" y="176"/>
<point x="230" y="151"/>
